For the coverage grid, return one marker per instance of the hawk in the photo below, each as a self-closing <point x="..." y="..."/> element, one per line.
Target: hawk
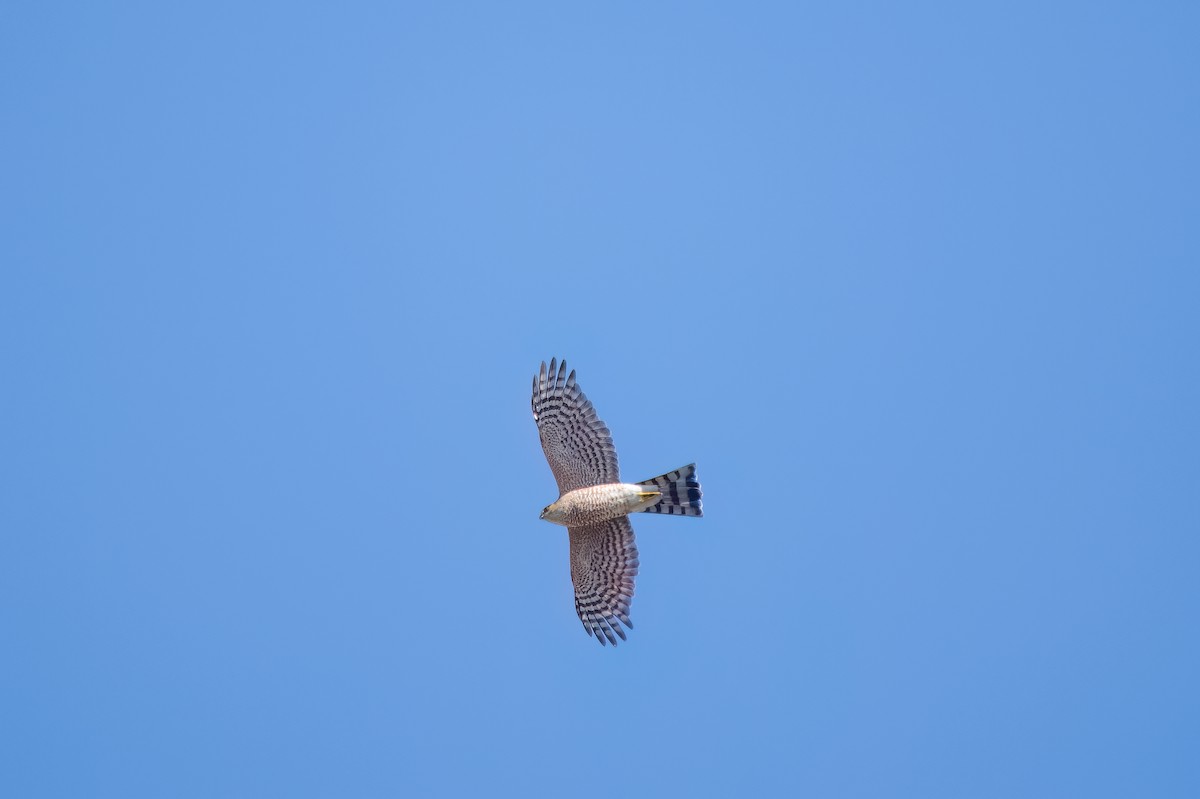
<point x="594" y="505"/>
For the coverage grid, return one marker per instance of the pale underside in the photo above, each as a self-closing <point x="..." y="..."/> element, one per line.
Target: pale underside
<point x="594" y="504"/>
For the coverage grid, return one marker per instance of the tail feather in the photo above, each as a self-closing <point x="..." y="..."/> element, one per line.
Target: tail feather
<point x="680" y="492"/>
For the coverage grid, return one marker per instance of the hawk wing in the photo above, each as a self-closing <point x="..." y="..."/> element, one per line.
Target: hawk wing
<point x="577" y="444"/>
<point x="604" y="561"/>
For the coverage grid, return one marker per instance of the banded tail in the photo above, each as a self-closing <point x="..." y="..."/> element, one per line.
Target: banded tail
<point x="680" y="492"/>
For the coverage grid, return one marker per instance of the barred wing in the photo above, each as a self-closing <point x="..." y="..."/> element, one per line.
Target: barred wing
<point x="577" y="444"/>
<point x="604" y="561"/>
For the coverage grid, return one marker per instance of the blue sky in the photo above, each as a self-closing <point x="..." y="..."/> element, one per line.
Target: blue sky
<point x="915" y="285"/>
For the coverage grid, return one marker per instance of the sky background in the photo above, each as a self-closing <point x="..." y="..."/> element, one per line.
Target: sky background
<point x="915" y="285"/>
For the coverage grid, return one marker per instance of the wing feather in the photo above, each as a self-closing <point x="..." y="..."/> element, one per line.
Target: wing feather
<point x="604" y="561"/>
<point x="577" y="444"/>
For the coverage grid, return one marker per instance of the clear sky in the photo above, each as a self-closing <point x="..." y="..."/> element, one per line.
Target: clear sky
<point x="914" y="284"/>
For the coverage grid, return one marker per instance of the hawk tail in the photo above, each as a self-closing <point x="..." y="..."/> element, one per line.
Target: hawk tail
<point x="680" y="492"/>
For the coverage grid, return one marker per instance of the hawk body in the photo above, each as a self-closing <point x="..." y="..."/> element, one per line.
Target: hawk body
<point x="600" y="503"/>
<point x="594" y="504"/>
